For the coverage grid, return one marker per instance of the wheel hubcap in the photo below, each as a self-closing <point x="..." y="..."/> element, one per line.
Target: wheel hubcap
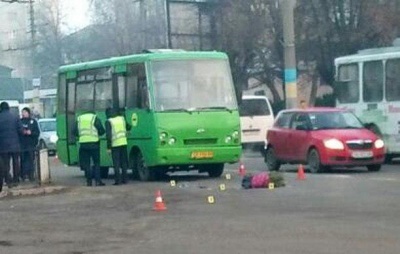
<point x="313" y="162"/>
<point x="142" y="168"/>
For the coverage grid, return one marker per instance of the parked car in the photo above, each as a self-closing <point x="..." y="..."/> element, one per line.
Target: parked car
<point x="48" y="136"/>
<point x="256" y="117"/>
<point x="322" y="138"/>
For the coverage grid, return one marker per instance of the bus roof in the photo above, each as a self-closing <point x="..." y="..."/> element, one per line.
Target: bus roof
<point x="370" y="55"/>
<point x="160" y="55"/>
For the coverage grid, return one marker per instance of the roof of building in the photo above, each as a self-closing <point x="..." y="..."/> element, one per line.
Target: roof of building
<point x="11" y="89"/>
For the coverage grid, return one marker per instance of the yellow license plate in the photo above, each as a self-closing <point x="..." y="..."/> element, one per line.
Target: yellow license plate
<point x="202" y="155"/>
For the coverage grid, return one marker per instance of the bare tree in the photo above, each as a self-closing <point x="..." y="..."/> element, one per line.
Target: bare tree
<point x="48" y="55"/>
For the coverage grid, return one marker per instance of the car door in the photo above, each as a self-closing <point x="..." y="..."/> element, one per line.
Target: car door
<point x="299" y="137"/>
<point x="279" y="136"/>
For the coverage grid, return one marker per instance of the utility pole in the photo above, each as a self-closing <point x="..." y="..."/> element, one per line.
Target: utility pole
<point x="32" y="24"/>
<point x="287" y="9"/>
<point x="168" y="23"/>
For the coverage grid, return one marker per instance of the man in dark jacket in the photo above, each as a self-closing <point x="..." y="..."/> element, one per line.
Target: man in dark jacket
<point x="29" y="141"/>
<point x="10" y="130"/>
<point x="88" y="128"/>
<point x="116" y="132"/>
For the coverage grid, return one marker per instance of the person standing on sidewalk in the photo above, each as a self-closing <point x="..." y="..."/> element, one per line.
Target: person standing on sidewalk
<point x="88" y="129"/>
<point x="29" y="142"/>
<point x="116" y="132"/>
<point x="10" y="131"/>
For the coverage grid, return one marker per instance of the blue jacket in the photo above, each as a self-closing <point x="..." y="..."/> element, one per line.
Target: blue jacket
<point x="10" y="131"/>
<point x="29" y="142"/>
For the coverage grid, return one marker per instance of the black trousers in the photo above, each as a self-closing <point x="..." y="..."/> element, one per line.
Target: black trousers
<point x="85" y="158"/>
<point x="120" y="161"/>
<point x="3" y="173"/>
<point x="14" y="156"/>
<point x="27" y="164"/>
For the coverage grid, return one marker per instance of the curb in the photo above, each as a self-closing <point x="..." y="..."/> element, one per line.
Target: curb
<point x="31" y="191"/>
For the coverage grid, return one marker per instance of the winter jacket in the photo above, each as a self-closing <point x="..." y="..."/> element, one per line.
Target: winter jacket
<point x="29" y="142"/>
<point x="10" y="130"/>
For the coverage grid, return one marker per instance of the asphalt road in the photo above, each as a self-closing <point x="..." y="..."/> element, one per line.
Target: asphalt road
<point x="351" y="211"/>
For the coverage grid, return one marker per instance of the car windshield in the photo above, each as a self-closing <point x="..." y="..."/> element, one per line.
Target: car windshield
<point x="334" y="120"/>
<point x="187" y="85"/>
<point x="46" y="126"/>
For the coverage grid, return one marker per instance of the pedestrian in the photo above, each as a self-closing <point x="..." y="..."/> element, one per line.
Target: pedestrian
<point x="10" y="131"/>
<point x="116" y="133"/>
<point x="88" y="128"/>
<point x="303" y="104"/>
<point x="29" y="142"/>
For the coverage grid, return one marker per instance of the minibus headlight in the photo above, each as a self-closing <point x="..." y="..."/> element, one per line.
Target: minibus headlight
<point x="163" y="135"/>
<point x="235" y="134"/>
<point x="228" y="139"/>
<point x="172" y="141"/>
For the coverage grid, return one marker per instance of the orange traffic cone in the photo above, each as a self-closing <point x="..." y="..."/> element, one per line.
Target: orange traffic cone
<point x="159" y="203"/>
<point x="300" y="173"/>
<point x="242" y="170"/>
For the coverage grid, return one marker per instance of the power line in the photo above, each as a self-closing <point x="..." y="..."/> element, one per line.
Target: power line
<point x="15" y="1"/>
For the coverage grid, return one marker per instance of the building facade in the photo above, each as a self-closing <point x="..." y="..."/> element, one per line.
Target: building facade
<point x="15" y="38"/>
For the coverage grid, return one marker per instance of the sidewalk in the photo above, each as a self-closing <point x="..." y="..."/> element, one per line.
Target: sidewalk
<point x="31" y="189"/>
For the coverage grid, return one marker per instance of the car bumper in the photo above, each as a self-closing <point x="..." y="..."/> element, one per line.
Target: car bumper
<point x="346" y="158"/>
<point x="51" y="146"/>
<point x="180" y="156"/>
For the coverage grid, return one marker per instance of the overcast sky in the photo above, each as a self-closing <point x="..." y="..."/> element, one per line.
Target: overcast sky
<point x="76" y="14"/>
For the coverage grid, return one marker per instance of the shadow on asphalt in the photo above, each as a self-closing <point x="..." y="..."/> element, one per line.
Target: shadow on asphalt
<point x="349" y="171"/>
<point x="184" y="177"/>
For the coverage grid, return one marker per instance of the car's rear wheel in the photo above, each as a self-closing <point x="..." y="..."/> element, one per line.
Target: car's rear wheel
<point x="272" y="162"/>
<point x="374" y="168"/>
<point x="388" y="158"/>
<point x="314" y="162"/>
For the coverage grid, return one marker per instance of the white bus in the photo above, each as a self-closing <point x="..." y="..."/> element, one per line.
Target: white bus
<point x="368" y="83"/>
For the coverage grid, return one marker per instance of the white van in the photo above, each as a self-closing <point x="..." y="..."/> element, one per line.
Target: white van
<point x="256" y="117"/>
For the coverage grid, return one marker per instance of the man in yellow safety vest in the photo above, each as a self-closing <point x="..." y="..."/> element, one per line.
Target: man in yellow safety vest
<point x="116" y="133"/>
<point x="88" y="129"/>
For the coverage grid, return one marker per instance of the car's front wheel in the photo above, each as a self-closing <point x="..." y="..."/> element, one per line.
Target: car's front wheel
<point x="374" y="168"/>
<point x="314" y="162"/>
<point x="144" y="172"/>
<point x="272" y="162"/>
<point x="42" y="145"/>
<point x="215" y="170"/>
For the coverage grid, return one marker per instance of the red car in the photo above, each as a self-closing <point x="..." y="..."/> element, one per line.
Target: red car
<point x="322" y="138"/>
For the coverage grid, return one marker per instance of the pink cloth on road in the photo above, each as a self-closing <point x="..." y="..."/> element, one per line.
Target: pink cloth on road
<point x="260" y="180"/>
